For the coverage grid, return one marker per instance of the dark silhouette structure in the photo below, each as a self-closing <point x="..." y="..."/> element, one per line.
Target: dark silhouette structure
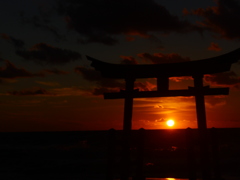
<point x="195" y="69"/>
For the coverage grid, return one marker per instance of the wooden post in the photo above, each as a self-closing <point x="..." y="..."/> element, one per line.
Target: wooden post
<point x="162" y="83"/>
<point x="202" y="126"/>
<point x="127" y="126"/>
<point x="191" y="154"/>
<point x="111" y="154"/>
<point x="128" y="103"/>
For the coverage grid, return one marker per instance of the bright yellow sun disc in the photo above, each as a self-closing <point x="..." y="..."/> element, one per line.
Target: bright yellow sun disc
<point x="170" y="122"/>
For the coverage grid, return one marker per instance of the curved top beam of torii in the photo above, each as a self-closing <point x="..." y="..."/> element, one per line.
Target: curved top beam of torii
<point x="212" y="65"/>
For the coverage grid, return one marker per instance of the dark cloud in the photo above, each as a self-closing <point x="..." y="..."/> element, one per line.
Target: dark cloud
<point x="100" y="90"/>
<point x="43" y="20"/>
<point x="11" y="71"/>
<point x="102" y="21"/>
<point x="5" y="81"/>
<point x="95" y="76"/>
<point x="89" y="74"/>
<point x="222" y="19"/>
<point x="146" y="86"/>
<point x="214" y="47"/>
<point x="159" y="58"/>
<point x="128" y="60"/>
<point x="108" y="85"/>
<point x="46" y="54"/>
<point x="1" y="59"/>
<point x="55" y="71"/>
<point x="52" y="84"/>
<point x="129" y="38"/>
<point x="33" y="92"/>
<point x="213" y="101"/>
<point x="160" y="120"/>
<point x="180" y="78"/>
<point x="17" y="43"/>
<point x="228" y="79"/>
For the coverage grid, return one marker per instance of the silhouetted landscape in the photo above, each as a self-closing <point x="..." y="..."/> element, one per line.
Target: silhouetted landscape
<point x="83" y="154"/>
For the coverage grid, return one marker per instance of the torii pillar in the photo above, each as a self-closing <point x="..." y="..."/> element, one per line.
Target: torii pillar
<point x="127" y="127"/>
<point x="202" y="126"/>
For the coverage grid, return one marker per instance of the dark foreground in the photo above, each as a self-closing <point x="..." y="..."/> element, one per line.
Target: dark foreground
<point x="82" y="155"/>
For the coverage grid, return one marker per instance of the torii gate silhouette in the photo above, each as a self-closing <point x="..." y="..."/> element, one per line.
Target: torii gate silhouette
<point x="196" y="69"/>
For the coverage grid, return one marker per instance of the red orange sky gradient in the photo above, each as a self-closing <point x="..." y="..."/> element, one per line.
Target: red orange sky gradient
<point x="47" y="84"/>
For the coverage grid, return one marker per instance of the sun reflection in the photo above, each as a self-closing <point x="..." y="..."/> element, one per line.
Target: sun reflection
<point x="165" y="179"/>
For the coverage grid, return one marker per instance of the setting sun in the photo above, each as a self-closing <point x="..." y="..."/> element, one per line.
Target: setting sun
<point x="170" y="122"/>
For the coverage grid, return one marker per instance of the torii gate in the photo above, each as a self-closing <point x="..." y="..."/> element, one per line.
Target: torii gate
<point x="162" y="72"/>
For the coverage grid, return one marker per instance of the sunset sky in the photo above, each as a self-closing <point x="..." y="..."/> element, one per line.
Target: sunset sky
<point x="47" y="84"/>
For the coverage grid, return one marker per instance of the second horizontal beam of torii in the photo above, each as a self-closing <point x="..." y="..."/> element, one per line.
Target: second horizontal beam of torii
<point x="168" y="93"/>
